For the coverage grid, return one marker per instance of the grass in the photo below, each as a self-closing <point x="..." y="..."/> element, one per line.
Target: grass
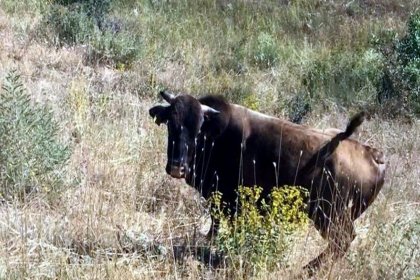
<point x="118" y="215"/>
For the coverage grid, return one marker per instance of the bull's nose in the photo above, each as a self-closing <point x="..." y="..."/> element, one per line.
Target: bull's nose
<point x="176" y="171"/>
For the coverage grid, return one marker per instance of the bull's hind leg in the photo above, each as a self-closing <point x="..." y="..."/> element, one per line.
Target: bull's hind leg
<point x="339" y="234"/>
<point x="214" y="228"/>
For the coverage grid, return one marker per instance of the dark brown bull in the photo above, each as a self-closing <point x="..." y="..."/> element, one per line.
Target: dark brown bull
<point x="215" y="145"/>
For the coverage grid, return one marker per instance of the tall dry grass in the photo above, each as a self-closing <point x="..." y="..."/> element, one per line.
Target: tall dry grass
<point x="120" y="216"/>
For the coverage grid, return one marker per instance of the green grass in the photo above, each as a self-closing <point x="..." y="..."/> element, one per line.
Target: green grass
<point x="328" y="50"/>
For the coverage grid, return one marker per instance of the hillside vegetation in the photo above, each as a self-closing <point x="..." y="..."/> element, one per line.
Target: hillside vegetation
<point x="83" y="191"/>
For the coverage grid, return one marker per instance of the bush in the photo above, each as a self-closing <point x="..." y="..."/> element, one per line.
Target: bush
<point x="87" y="22"/>
<point x="31" y="155"/>
<point x="400" y="83"/>
<point x="67" y="25"/>
<point x="97" y="10"/>
<point x="299" y="106"/>
<point x="120" y="49"/>
<point x="16" y="7"/>
<point x="256" y="237"/>
<point x="408" y="50"/>
<point x="346" y="77"/>
<point x="265" y="53"/>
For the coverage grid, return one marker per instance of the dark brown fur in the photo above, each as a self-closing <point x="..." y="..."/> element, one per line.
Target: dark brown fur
<point x="237" y="146"/>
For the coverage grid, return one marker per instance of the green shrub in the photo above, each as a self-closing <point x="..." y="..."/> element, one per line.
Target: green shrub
<point x="30" y="154"/>
<point x="67" y="25"/>
<point x="120" y="49"/>
<point x="16" y="7"/>
<point x="298" y="107"/>
<point x="256" y="238"/>
<point x="346" y="77"/>
<point x="408" y="49"/>
<point x="265" y="52"/>
<point x="95" y="9"/>
<point x="400" y="81"/>
<point x="88" y="22"/>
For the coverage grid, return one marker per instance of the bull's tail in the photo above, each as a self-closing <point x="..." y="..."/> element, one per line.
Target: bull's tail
<point x="354" y="123"/>
<point x="318" y="159"/>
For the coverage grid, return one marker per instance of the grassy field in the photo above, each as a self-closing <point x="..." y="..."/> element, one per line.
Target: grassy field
<point x="102" y="207"/>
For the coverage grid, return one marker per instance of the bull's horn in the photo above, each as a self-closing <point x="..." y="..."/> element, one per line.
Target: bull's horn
<point x="166" y="95"/>
<point x="208" y="110"/>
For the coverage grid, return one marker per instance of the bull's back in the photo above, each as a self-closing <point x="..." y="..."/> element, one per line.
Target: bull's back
<point x="277" y="149"/>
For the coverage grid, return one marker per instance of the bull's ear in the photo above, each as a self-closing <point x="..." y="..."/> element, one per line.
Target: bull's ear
<point x="167" y="96"/>
<point x="159" y="113"/>
<point x="208" y="112"/>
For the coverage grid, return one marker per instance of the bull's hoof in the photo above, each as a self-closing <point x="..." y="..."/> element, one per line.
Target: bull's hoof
<point x="312" y="267"/>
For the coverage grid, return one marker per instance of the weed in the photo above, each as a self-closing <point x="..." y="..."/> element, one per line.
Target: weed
<point x="256" y="238"/>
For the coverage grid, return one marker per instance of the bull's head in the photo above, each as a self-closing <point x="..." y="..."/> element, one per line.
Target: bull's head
<point x="184" y="117"/>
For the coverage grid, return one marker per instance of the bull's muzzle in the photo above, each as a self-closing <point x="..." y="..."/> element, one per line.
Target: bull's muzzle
<point x="176" y="171"/>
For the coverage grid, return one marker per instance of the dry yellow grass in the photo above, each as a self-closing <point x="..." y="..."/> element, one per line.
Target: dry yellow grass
<point x="121" y="215"/>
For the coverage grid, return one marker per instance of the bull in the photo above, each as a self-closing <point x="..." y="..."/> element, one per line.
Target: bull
<point x="216" y="145"/>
